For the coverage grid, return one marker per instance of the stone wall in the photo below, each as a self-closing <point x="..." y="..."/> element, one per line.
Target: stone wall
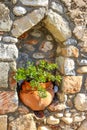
<point x="38" y="29"/>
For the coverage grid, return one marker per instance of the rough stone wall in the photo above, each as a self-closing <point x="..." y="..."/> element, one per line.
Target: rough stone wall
<point x="65" y="24"/>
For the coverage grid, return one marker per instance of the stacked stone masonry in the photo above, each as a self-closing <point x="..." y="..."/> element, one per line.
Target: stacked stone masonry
<point x="55" y="30"/>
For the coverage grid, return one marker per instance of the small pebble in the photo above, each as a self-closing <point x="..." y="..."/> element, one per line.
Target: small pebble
<point x="38" y="55"/>
<point x="49" y="37"/>
<point x="55" y="89"/>
<point x="18" y="10"/>
<point x="67" y="120"/>
<point x="59" y="115"/>
<point x="36" y="33"/>
<point x="14" y="1"/>
<point x="52" y="120"/>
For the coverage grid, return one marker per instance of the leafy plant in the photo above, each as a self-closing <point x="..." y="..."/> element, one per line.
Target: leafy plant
<point x="36" y="74"/>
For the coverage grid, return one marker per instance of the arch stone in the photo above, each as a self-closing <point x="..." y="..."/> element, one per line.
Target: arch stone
<point x="54" y="22"/>
<point x="27" y="22"/>
<point x="58" y="26"/>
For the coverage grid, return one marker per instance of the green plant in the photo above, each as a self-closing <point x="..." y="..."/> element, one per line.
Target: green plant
<point x="36" y="74"/>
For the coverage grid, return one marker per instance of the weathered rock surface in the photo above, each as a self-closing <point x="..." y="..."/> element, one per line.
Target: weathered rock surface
<point x="70" y="51"/>
<point x="58" y="26"/>
<point x="27" y="22"/>
<point x="4" y="74"/>
<point x="8" y="101"/>
<point x="70" y="41"/>
<point x="5" y="21"/>
<point x="80" y="3"/>
<point x="35" y="2"/>
<point x="57" y="7"/>
<point x="80" y="102"/>
<point x="3" y="122"/>
<point x="66" y="65"/>
<point x="8" y="52"/>
<point x="71" y="84"/>
<point x="83" y="126"/>
<point x="24" y="122"/>
<point x="79" y="32"/>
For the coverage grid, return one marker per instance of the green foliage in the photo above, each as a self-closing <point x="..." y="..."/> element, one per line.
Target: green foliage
<point x="36" y="74"/>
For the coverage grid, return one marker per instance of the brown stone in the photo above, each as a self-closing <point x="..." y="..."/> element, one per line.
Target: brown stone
<point x="12" y="81"/>
<point x="70" y="51"/>
<point x="85" y="84"/>
<point x="69" y="103"/>
<point x="84" y="49"/>
<point x="83" y="125"/>
<point x="80" y="3"/>
<point x="3" y="122"/>
<point x="24" y="35"/>
<point x="61" y="96"/>
<point x="8" y="101"/>
<point x="71" y="84"/>
<point x="23" y="109"/>
<point x="79" y="32"/>
<point x="82" y="70"/>
<point x="75" y="12"/>
<point x="32" y="41"/>
<point x="46" y="46"/>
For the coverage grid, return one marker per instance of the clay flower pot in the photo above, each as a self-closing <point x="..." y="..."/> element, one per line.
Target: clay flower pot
<point x="31" y="98"/>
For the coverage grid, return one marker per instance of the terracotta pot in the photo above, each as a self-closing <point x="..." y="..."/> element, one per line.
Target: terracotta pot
<point x="31" y="99"/>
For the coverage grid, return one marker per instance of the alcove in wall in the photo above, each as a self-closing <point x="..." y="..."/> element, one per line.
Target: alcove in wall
<point x="36" y="44"/>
